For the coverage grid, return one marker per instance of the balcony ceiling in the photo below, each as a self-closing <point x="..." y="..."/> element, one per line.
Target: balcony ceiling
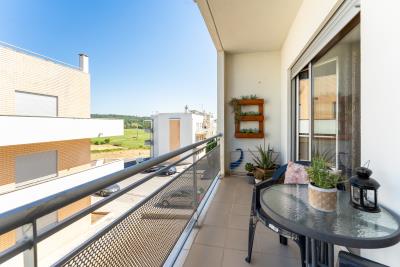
<point x="248" y="26"/>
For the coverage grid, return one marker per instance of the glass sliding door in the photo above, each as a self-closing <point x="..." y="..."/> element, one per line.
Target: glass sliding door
<point x="328" y="105"/>
<point x="325" y="92"/>
<point x="303" y="117"/>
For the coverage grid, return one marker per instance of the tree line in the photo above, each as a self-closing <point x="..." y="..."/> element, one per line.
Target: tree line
<point x="130" y="121"/>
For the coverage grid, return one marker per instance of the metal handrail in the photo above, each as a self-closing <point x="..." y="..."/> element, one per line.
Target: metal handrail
<point x="26" y="214"/>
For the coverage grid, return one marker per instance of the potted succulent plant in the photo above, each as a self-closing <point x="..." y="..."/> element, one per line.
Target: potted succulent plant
<point x="265" y="162"/>
<point x="322" y="189"/>
<point x="250" y="172"/>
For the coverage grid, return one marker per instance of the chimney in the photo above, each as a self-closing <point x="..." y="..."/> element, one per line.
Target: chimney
<point x="84" y="63"/>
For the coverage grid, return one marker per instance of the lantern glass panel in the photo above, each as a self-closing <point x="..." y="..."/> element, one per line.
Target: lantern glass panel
<point x="355" y="194"/>
<point x="369" y="198"/>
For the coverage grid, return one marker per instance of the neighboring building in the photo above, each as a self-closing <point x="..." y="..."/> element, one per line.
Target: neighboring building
<point x="174" y="130"/>
<point x="46" y="130"/>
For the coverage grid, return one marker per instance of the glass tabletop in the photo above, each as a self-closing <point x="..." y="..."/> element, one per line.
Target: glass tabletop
<point x="288" y="205"/>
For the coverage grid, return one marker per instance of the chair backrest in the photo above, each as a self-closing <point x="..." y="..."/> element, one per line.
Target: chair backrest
<point x="347" y="259"/>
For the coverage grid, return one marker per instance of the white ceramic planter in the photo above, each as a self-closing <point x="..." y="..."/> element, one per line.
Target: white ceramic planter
<point x="322" y="199"/>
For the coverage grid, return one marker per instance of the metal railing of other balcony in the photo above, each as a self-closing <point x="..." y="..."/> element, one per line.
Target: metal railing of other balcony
<point x="145" y="234"/>
<point x="30" y="53"/>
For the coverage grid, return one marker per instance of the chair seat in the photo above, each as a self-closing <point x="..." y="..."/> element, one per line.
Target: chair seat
<point x="347" y="259"/>
<point x="257" y="214"/>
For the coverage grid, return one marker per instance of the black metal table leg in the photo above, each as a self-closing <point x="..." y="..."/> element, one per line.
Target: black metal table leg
<point x="331" y="259"/>
<point x="307" y="251"/>
<point x="313" y="253"/>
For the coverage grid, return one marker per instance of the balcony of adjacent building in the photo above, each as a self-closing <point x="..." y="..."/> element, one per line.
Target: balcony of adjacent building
<point x="22" y="130"/>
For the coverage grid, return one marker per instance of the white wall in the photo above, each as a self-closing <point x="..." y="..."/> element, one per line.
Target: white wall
<point x="42" y="129"/>
<point x="380" y="94"/>
<point x="310" y="17"/>
<point x="161" y="131"/>
<point x="253" y="73"/>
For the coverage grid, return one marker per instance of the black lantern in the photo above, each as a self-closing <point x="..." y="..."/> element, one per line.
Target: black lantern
<point x="364" y="191"/>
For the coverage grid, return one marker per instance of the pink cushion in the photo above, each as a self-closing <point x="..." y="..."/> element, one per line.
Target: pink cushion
<point x="296" y="174"/>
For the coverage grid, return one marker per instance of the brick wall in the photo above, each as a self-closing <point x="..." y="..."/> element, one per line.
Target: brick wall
<point x="22" y="72"/>
<point x="71" y="153"/>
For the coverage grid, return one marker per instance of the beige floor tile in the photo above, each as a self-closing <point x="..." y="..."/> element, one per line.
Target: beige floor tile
<point x="237" y="239"/>
<point x="242" y="198"/>
<point x="242" y="182"/>
<point x="220" y="207"/>
<point x="236" y="258"/>
<point x="230" y="182"/>
<point x="206" y="256"/>
<point x="238" y="209"/>
<point x="211" y="236"/>
<point x="217" y="218"/>
<point x="268" y="242"/>
<point x="238" y="222"/>
<point x="224" y="196"/>
<point x="271" y="260"/>
<point x="217" y="206"/>
<point x="244" y="188"/>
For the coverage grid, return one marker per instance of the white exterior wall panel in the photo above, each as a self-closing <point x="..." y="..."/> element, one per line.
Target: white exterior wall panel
<point x="28" y="130"/>
<point x="380" y="94"/>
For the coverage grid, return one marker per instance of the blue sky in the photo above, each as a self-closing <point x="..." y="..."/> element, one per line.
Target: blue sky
<point x="145" y="55"/>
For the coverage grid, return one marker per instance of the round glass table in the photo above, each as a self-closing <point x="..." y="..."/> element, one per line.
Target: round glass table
<point x="288" y="206"/>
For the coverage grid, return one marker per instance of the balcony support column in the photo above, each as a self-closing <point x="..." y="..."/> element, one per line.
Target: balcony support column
<point x="221" y="106"/>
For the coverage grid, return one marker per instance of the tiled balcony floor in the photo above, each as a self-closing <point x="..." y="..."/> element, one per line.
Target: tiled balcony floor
<point x="222" y="236"/>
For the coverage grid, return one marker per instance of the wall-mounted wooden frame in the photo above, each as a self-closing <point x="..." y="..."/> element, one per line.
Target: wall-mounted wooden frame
<point x="256" y="118"/>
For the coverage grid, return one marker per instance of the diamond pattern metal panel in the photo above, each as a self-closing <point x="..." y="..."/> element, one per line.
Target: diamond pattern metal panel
<point x="146" y="236"/>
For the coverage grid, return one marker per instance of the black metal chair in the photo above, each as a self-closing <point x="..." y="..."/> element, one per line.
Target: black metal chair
<point x="347" y="259"/>
<point x="257" y="214"/>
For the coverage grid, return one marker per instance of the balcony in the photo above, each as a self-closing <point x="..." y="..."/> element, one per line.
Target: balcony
<point x="27" y="130"/>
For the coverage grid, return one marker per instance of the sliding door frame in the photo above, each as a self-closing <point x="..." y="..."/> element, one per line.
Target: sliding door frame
<point x="352" y="17"/>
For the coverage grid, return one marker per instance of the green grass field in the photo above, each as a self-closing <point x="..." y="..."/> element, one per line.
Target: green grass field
<point x="132" y="139"/>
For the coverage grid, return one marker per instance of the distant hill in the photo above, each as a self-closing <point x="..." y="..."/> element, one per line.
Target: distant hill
<point x="130" y="121"/>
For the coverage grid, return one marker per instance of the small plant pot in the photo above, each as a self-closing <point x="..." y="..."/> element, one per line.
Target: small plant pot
<point x="322" y="199"/>
<point x="263" y="174"/>
<point x="250" y="177"/>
